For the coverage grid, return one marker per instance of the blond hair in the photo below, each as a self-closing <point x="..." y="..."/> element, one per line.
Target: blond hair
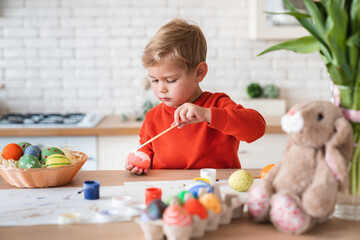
<point x="182" y="41"/>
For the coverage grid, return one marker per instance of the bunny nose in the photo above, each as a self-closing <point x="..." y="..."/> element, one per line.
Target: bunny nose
<point x="291" y="112"/>
<point x="292" y="122"/>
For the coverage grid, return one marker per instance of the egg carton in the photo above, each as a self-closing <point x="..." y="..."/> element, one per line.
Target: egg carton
<point x="232" y="206"/>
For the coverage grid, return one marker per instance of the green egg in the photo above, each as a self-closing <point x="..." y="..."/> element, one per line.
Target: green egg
<point x="29" y="161"/>
<point x="24" y="145"/>
<point x="50" y="151"/>
<point x="184" y="196"/>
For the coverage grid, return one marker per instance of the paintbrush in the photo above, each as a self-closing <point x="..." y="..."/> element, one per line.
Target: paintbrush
<point x="157" y="136"/>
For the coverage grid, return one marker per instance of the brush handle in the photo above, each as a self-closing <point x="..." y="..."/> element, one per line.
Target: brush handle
<point x="157" y="136"/>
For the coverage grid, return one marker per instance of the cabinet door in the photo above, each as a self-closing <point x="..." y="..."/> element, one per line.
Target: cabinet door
<point x="266" y="150"/>
<point x="113" y="151"/>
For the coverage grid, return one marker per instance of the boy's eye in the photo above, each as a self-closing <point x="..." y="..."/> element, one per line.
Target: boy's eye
<point x="154" y="80"/>
<point x="171" y="81"/>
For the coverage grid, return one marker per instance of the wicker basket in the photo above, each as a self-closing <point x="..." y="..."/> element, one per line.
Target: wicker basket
<point x="42" y="177"/>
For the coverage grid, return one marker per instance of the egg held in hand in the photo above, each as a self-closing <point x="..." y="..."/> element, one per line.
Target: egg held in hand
<point x="139" y="159"/>
<point x="12" y="151"/>
<point x="241" y="180"/>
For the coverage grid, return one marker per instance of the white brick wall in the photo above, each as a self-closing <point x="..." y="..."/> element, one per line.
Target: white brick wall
<point x="80" y="55"/>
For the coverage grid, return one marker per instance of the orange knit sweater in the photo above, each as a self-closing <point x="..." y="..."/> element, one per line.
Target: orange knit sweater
<point x="201" y="145"/>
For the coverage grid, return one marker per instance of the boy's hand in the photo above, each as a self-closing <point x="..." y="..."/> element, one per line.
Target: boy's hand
<point x="137" y="162"/>
<point x="190" y="113"/>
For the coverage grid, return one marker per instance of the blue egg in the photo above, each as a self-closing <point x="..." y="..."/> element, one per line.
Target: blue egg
<point x="198" y="187"/>
<point x="154" y="210"/>
<point x="33" y="150"/>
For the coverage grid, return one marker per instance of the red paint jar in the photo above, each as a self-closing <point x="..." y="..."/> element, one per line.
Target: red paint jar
<point x="152" y="194"/>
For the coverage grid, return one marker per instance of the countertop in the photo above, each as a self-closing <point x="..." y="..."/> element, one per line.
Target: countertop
<point x="110" y="125"/>
<point x="238" y="228"/>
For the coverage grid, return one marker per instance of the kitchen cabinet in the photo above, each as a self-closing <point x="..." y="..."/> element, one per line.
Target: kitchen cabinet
<point x="269" y="149"/>
<point x="109" y="143"/>
<point x="113" y="150"/>
<point x="264" y="151"/>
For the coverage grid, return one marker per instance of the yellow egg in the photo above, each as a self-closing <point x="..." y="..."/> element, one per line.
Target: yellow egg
<point x="241" y="180"/>
<point x="57" y="160"/>
<point x="210" y="201"/>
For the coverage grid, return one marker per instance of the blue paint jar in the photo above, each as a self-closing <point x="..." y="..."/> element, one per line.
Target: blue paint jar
<point x="91" y="190"/>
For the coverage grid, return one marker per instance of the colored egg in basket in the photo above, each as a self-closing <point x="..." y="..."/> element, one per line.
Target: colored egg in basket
<point x="12" y="151"/>
<point x="29" y="161"/>
<point x="47" y="152"/>
<point x="24" y="145"/>
<point x="57" y="160"/>
<point x="34" y="151"/>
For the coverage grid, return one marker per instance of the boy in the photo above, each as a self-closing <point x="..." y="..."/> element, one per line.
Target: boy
<point x="175" y="61"/>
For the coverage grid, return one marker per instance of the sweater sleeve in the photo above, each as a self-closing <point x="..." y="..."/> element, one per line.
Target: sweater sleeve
<point x="245" y="124"/>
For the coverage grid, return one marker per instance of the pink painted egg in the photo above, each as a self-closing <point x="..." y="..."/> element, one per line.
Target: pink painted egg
<point x="139" y="159"/>
<point x="176" y="215"/>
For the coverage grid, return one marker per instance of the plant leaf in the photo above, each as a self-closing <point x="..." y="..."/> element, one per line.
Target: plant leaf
<point x="354" y="40"/>
<point x="296" y="15"/>
<point x="306" y="44"/>
<point x="308" y="25"/>
<point x="336" y="28"/>
<point x="317" y="16"/>
<point x="355" y="16"/>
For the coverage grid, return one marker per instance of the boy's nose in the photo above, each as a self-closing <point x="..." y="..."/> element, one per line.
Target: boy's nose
<point x="162" y="87"/>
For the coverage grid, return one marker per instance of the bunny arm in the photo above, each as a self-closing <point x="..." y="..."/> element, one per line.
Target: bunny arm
<point x="318" y="200"/>
<point x="338" y="151"/>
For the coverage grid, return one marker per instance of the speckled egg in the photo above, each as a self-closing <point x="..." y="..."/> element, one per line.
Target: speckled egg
<point x="194" y="207"/>
<point x="33" y="150"/>
<point x="50" y="151"/>
<point x="211" y="202"/>
<point x="57" y="160"/>
<point x="176" y="215"/>
<point x="199" y="187"/>
<point x="24" y="145"/>
<point x="184" y="196"/>
<point x="29" y="161"/>
<point x="12" y="151"/>
<point x="241" y="180"/>
<point x="154" y="210"/>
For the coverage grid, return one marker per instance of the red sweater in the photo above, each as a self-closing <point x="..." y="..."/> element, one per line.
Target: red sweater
<point x="201" y="145"/>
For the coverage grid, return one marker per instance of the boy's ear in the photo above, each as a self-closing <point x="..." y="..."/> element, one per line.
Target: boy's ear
<point x="201" y="71"/>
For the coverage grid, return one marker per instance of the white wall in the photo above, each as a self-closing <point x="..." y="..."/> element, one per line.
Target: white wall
<point x="85" y="55"/>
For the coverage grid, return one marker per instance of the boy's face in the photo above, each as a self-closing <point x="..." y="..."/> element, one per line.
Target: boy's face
<point x="172" y="85"/>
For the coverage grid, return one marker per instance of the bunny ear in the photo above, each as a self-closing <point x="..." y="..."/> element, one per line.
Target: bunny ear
<point x="338" y="151"/>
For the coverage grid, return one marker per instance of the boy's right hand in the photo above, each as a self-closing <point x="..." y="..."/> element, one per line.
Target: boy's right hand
<point x="137" y="162"/>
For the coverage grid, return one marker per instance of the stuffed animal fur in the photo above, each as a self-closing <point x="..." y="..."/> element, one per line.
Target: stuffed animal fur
<point x="301" y="189"/>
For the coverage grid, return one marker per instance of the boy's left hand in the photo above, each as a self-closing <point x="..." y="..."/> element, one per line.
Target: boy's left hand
<point x="190" y="113"/>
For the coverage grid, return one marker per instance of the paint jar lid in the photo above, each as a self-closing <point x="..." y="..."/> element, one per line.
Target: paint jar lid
<point x="69" y="218"/>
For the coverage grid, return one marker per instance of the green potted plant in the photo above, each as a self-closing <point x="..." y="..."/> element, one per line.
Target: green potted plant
<point x="334" y="27"/>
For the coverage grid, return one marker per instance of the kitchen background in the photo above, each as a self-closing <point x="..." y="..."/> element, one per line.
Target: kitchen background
<point x="68" y="56"/>
<point x="85" y="56"/>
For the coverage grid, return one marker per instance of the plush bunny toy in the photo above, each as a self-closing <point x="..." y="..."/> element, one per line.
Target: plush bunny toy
<point x="301" y="189"/>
